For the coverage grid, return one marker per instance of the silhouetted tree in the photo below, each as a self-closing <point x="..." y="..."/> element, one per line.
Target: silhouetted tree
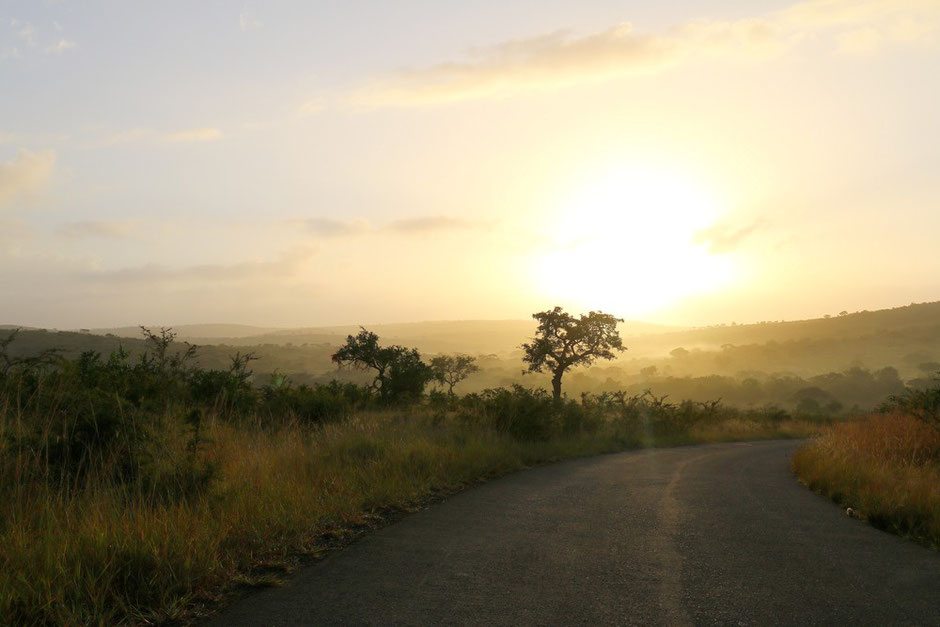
<point x="562" y="341"/>
<point x="399" y="370"/>
<point x="452" y="369"/>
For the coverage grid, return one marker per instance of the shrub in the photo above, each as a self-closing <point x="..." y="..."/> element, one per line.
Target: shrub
<point x="523" y="413"/>
<point x="922" y="404"/>
<point x="313" y="405"/>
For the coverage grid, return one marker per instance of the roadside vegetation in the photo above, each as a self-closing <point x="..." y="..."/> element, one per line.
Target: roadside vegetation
<point x="143" y="489"/>
<point x="841" y="365"/>
<point x="884" y="468"/>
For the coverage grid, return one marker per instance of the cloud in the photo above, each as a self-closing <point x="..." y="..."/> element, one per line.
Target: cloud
<point x="95" y="228"/>
<point x="24" y="31"/>
<point x="866" y="27"/>
<point x="560" y="59"/>
<point x="327" y="227"/>
<point x="149" y="135"/>
<point x="818" y="14"/>
<point x="311" y="106"/>
<point x="28" y="37"/>
<point x="247" y="20"/>
<point x="429" y="223"/>
<point x="60" y="46"/>
<point x="13" y="234"/>
<point x="196" y="135"/>
<point x="25" y="174"/>
<point x="286" y="266"/>
<point x="725" y="238"/>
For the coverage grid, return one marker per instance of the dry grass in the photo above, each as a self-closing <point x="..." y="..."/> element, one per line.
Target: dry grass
<point x="103" y="555"/>
<point x="742" y="429"/>
<point x="885" y="467"/>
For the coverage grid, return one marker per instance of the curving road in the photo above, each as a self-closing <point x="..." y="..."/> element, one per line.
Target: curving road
<point x="701" y="535"/>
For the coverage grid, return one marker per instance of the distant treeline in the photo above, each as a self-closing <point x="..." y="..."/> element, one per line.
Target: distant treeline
<point x="842" y="363"/>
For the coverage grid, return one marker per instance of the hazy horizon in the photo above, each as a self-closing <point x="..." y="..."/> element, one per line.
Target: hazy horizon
<point x="385" y="323"/>
<point x="296" y="165"/>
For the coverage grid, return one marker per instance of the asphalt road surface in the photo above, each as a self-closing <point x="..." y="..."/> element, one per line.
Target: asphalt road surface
<point x="701" y="535"/>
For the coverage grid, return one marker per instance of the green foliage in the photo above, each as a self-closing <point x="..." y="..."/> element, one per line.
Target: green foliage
<point x="400" y="375"/>
<point x="227" y="392"/>
<point x="530" y="414"/>
<point x="523" y="413"/>
<point x="920" y="403"/>
<point x="312" y="405"/>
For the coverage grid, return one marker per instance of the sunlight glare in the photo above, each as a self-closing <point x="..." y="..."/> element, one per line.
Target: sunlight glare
<point x="626" y="243"/>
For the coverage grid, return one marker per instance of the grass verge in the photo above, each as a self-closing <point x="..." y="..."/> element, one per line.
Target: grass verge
<point x="885" y="467"/>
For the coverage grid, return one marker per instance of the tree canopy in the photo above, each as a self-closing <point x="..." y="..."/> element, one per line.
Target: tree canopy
<point x="452" y="369"/>
<point x="563" y="340"/>
<point x="399" y="371"/>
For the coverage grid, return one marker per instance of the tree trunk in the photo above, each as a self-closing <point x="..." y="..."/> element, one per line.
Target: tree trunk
<point x="556" y="385"/>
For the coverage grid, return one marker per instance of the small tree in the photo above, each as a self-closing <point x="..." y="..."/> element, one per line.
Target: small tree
<point x="399" y="370"/>
<point x="452" y="369"/>
<point x="562" y="341"/>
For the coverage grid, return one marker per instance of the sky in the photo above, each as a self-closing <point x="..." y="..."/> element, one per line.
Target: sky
<point x="293" y="163"/>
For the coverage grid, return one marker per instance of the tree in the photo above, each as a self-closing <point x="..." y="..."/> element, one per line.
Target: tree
<point x="562" y="341"/>
<point x="679" y="353"/>
<point x="452" y="369"/>
<point x="399" y="370"/>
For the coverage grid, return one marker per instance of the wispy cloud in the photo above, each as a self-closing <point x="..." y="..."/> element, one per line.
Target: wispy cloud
<point x="25" y="174"/>
<point x="560" y="59"/>
<point x="196" y="135"/>
<point x="311" y="106"/>
<point x="247" y="20"/>
<point x="286" y="266"/>
<point x="27" y="37"/>
<point x="428" y="224"/>
<point x="725" y="238"/>
<point x="59" y="47"/>
<point x="95" y="228"/>
<point x="24" y="31"/>
<point x="329" y="228"/>
<point x="150" y="135"/>
<point x="869" y="25"/>
<point x="13" y="235"/>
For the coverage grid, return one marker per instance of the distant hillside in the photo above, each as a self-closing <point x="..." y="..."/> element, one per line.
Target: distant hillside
<point x="858" y="324"/>
<point x="468" y="336"/>
<point x="903" y="337"/>
<point x="907" y="338"/>
<point x="312" y="359"/>
<point x="196" y="332"/>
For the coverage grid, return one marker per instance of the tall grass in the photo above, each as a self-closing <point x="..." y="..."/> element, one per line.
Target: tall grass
<point x="106" y="552"/>
<point x="885" y="467"/>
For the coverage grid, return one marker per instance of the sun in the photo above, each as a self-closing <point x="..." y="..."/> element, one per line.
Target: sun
<point x="626" y="243"/>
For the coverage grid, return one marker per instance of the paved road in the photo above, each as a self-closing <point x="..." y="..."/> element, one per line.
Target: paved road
<point x="713" y="534"/>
